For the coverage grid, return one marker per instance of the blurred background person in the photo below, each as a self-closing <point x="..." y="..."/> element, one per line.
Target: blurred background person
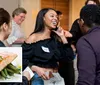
<point x="17" y="35"/>
<point x="95" y="2"/>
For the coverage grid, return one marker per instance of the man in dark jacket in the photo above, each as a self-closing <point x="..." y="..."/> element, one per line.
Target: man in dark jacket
<point x="88" y="46"/>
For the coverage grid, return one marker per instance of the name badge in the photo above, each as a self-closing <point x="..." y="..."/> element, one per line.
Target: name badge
<point x="45" y="49"/>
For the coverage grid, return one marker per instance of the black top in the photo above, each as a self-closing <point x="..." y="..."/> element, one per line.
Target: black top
<point x="46" y="53"/>
<point x="88" y="49"/>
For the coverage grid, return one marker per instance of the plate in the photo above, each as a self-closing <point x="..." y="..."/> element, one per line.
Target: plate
<point x="17" y="62"/>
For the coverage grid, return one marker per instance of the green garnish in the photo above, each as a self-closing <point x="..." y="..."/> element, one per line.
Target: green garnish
<point x="1" y="58"/>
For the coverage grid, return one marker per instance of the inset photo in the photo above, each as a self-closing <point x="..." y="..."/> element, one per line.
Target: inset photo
<point x="10" y="64"/>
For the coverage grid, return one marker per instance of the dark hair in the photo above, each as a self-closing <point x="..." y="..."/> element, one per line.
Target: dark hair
<point x="17" y="11"/>
<point x="90" y="15"/>
<point x="4" y="16"/>
<point x="39" y="20"/>
<point x="76" y="32"/>
<point x="88" y="1"/>
<point x="59" y="12"/>
<point x="96" y="1"/>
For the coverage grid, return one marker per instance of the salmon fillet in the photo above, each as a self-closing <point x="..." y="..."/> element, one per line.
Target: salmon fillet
<point x="6" y="58"/>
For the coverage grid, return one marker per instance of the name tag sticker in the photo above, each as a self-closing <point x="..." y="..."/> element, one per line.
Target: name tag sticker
<point x="45" y="49"/>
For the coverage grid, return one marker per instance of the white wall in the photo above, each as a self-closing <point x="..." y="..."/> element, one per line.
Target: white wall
<point x="9" y="5"/>
<point x="74" y="10"/>
<point x="32" y="7"/>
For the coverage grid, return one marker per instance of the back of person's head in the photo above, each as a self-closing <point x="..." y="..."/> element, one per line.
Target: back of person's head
<point x="5" y="28"/>
<point x="59" y="12"/>
<point x="4" y="17"/>
<point x="90" y="14"/>
<point x="40" y="19"/>
<point x="19" y="10"/>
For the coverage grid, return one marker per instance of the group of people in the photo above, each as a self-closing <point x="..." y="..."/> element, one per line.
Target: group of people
<point x="51" y="46"/>
<point x="48" y="47"/>
<point x="85" y="31"/>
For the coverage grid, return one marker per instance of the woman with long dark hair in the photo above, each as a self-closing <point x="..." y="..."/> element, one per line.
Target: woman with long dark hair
<point x="45" y="47"/>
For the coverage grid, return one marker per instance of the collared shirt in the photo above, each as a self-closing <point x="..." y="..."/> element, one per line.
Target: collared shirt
<point x="15" y="33"/>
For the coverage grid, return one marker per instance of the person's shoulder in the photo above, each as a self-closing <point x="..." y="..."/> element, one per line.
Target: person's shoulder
<point x="31" y="39"/>
<point x="2" y="44"/>
<point x="83" y="41"/>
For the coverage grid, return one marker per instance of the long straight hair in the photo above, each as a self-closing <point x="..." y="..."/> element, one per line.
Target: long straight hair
<point x="39" y="27"/>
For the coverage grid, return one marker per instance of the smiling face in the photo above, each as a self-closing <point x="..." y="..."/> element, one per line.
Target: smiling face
<point x="19" y="18"/>
<point x="51" y="19"/>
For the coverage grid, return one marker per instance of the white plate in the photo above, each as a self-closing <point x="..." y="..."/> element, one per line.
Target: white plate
<point x="17" y="62"/>
<point x="14" y="78"/>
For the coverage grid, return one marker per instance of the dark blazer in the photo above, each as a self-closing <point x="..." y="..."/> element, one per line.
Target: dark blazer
<point x="88" y="48"/>
<point x="75" y="31"/>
